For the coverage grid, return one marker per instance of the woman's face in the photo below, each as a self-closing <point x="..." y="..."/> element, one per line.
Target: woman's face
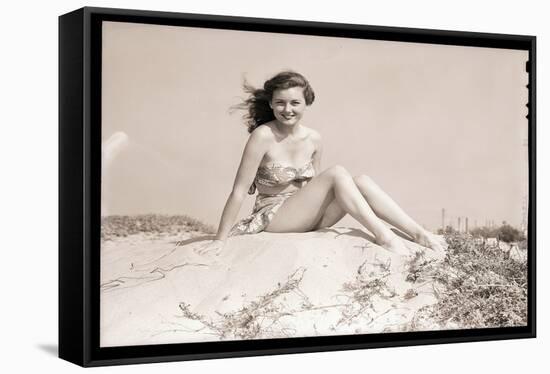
<point x="288" y="105"/>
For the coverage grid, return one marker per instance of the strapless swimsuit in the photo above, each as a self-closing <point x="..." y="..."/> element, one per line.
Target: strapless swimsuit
<point x="266" y="205"/>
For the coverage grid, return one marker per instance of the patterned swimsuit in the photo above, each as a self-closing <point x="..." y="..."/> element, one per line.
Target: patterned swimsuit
<point x="266" y="205"/>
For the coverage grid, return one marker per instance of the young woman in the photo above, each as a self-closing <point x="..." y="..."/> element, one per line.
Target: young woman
<point x="281" y="161"/>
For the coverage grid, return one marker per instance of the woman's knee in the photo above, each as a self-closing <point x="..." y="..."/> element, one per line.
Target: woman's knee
<point x="337" y="172"/>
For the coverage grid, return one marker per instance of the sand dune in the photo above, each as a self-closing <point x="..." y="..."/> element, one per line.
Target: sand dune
<point x="156" y="289"/>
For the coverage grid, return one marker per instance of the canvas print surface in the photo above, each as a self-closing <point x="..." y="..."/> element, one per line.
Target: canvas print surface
<point x="395" y="200"/>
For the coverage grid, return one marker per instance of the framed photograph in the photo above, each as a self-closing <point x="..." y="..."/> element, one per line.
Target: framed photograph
<point x="237" y="186"/>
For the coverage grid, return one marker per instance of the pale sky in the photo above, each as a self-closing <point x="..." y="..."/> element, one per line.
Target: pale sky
<point x="436" y="126"/>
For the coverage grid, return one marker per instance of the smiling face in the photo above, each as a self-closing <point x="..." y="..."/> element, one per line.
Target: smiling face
<point x="288" y="105"/>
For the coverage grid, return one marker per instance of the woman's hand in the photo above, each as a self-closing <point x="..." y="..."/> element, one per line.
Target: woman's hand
<point x="214" y="247"/>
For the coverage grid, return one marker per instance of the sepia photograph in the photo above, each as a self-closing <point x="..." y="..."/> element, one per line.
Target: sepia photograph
<point x="263" y="185"/>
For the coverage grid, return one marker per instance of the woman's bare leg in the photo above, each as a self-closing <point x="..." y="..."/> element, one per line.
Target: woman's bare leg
<point x="333" y="214"/>
<point x="388" y="210"/>
<point x="305" y="209"/>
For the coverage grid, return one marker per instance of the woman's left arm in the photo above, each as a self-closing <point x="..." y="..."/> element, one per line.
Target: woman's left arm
<point x="317" y="141"/>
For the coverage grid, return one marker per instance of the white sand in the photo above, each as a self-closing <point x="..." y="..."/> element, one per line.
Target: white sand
<point x="260" y="286"/>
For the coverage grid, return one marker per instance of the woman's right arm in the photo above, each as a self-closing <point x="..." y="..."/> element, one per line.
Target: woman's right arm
<point x="254" y="151"/>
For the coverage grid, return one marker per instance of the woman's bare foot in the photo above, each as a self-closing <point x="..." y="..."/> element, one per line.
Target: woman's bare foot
<point x="434" y="242"/>
<point x="393" y="244"/>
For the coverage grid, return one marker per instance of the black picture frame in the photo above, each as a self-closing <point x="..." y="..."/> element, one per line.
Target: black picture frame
<point x="80" y="175"/>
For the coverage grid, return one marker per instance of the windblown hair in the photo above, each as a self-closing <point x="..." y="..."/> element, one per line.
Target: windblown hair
<point x="257" y="104"/>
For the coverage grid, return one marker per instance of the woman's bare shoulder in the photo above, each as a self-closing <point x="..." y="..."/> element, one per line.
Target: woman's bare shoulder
<point x="262" y="133"/>
<point x="314" y="135"/>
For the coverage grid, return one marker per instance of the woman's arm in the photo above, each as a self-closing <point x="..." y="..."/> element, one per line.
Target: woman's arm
<point x="254" y="151"/>
<point x="316" y="137"/>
